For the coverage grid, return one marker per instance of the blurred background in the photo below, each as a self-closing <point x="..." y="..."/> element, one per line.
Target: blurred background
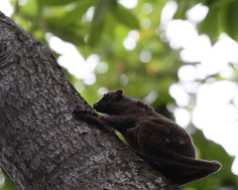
<point x="180" y="56"/>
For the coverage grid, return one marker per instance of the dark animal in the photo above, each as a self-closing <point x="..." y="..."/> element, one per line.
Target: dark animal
<point x="158" y="140"/>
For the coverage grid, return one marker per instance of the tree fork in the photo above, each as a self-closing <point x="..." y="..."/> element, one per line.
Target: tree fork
<point x="42" y="146"/>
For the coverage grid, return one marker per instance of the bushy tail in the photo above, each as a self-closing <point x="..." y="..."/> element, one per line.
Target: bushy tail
<point x="181" y="169"/>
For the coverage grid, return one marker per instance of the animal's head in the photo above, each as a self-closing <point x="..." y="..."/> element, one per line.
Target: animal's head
<point x="110" y="102"/>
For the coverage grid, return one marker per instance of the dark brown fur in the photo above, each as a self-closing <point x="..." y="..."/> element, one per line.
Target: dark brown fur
<point x="158" y="140"/>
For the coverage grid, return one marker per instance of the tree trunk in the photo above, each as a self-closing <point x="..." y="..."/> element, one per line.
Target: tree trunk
<point x="42" y="146"/>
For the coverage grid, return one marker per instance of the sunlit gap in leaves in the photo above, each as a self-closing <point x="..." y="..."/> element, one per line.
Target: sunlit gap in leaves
<point x="151" y="97"/>
<point x="131" y="40"/>
<point x="88" y="17"/>
<point x="214" y="103"/>
<point x="74" y="62"/>
<point x="145" y="56"/>
<point x="130" y="4"/>
<point x="102" y="90"/>
<point x="6" y="7"/>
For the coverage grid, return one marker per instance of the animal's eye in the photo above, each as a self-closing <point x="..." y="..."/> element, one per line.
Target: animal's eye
<point x="106" y="97"/>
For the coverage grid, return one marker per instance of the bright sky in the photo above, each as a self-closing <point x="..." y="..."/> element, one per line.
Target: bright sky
<point x="213" y="111"/>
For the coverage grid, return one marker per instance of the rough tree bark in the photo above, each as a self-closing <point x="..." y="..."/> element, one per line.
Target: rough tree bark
<point x="42" y="146"/>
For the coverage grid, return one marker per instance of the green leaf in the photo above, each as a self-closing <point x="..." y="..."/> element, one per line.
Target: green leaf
<point x="65" y="31"/>
<point x="56" y="2"/>
<point x="30" y="9"/>
<point x="183" y="6"/>
<point x="231" y="20"/>
<point x="125" y="16"/>
<point x="98" y="21"/>
<point x="67" y="23"/>
<point x="79" y="10"/>
<point x="212" y="23"/>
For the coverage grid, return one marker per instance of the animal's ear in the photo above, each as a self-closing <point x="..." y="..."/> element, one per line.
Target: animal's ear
<point x="119" y="92"/>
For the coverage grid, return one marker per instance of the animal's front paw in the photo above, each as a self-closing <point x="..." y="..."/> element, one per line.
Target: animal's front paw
<point x="84" y="115"/>
<point x="81" y="112"/>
